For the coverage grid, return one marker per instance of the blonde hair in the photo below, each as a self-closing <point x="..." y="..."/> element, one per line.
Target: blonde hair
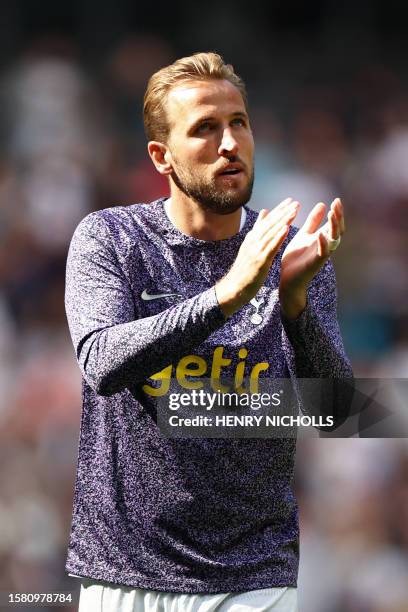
<point x="197" y="67"/>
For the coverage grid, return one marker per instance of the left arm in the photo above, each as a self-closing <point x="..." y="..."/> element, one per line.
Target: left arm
<point x="312" y="342"/>
<point x="311" y="338"/>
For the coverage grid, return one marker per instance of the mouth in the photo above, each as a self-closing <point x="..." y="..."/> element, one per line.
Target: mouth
<point x="231" y="170"/>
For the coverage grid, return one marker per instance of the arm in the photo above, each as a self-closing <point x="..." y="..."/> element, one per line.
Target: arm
<point x="312" y="342"/>
<point x="311" y="338"/>
<point x="307" y="293"/>
<point x="113" y="349"/>
<point x="314" y="349"/>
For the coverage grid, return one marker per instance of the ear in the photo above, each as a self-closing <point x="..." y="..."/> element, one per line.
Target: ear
<point x="160" y="156"/>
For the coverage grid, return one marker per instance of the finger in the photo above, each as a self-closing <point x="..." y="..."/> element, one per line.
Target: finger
<point x="265" y="211"/>
<point x="262" y="214"/>
<point x="334" y="229"/>
<point x="338" y="205"/>
<point x="282" y="204"/>
<point x="323" y="246"/>
<point x="276" y="216"/>
<point x="269" y="237"/>
<point x="338" y="209"/>
<point x="275" y="244"/>
<point x="314" y="218"/>
<point x="329" y="228"/>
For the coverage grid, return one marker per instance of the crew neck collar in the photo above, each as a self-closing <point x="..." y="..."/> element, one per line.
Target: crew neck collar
<point x="185" y="238"/>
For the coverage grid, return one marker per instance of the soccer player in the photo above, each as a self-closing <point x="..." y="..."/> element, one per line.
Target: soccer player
<point x="192" y="285"/>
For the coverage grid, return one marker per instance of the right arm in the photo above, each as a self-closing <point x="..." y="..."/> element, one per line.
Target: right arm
<point x="113" y="348"/>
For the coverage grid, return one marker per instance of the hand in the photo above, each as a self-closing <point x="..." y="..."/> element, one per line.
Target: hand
<point x="306" y="254"/>
<point x="255" y="257"/>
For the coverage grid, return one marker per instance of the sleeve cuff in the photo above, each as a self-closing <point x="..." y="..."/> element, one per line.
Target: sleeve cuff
<point x="297" y="329"/>
<point x="215" y="310"/>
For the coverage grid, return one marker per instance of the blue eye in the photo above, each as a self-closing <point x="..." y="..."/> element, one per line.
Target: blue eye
<point x="204" y="127"/>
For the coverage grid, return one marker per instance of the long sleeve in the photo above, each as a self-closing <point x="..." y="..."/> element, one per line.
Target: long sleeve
<point x="114" y="349"/>
<point x="314" y="349"/>
<point x="146" y="505"/>
<point x="312" y="343"/>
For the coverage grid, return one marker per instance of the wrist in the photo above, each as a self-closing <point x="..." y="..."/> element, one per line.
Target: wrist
<point x="292" y="302"/>
<point x="229" y="299"/>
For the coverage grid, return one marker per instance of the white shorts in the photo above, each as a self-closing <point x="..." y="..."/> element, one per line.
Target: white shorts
<point x="97" y="596"/>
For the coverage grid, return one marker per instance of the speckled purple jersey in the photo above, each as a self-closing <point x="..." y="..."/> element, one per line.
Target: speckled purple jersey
<point x="182" y="515"/>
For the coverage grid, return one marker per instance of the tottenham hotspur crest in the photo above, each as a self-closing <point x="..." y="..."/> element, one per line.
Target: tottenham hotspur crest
<point x="256" y="318"/>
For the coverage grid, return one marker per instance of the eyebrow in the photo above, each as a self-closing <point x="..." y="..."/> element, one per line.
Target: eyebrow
<point x="212" y="118"/>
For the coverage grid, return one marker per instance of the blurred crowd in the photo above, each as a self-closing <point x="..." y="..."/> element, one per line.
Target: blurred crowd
<point x="72" y="142"/>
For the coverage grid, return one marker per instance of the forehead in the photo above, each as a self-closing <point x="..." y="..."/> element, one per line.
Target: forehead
<point x="190" y="100"/>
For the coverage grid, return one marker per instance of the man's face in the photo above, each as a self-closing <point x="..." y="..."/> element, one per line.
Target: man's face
<point x="211" y="144"/>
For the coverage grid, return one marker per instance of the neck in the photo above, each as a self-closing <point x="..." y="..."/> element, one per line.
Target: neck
<point x="188" y="217"/>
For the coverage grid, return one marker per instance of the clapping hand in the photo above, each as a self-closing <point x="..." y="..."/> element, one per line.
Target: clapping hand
<point x="306" y="254"/>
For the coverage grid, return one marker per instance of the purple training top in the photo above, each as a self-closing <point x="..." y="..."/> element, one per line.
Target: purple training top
<point x="181" y="515"/>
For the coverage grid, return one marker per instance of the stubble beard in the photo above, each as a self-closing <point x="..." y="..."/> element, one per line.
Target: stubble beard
<point x="209" y="196"/>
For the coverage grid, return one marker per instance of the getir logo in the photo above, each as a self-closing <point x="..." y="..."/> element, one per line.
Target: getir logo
<point x="193" y="366"/>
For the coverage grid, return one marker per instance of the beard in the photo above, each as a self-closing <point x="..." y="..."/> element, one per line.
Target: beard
<point x="209" y="196"/>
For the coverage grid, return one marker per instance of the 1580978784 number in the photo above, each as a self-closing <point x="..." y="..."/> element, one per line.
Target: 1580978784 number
<point x="34" y="598"/>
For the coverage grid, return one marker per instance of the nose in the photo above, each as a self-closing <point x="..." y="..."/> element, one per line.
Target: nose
<point x="228" y="144"/>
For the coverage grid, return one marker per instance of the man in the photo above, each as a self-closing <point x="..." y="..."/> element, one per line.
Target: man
<point x="191" y="285"/>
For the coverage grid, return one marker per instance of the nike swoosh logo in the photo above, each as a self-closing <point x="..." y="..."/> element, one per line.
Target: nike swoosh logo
<point x="157" y="296"/>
